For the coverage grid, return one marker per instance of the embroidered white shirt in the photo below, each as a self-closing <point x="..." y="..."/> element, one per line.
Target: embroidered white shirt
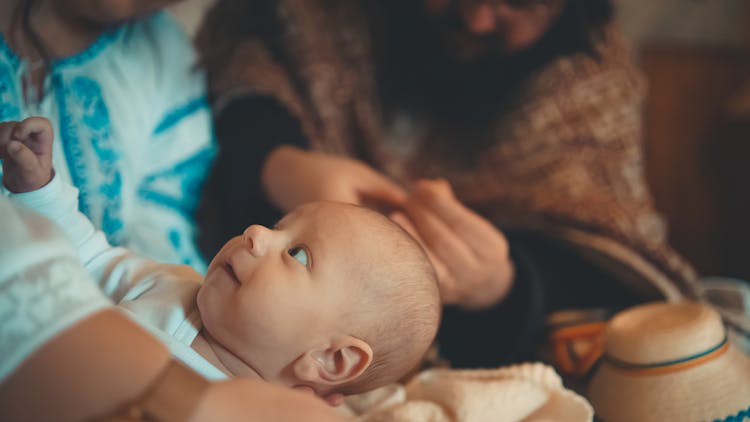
<point x="132" y="132"/>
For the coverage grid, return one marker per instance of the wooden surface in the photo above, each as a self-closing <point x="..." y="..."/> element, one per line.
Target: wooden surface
<point x="698" y="155"/>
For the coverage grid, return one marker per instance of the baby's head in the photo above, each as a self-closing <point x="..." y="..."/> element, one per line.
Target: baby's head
<point x="336" y="297"/>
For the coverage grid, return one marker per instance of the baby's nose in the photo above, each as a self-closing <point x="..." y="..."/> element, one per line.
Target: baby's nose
<point x="257" y="238"/>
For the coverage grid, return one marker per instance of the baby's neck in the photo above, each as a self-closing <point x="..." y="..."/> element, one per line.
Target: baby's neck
<point x="219" y="356"/>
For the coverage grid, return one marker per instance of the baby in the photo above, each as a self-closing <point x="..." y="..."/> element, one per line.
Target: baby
<point x="335" y="299"/>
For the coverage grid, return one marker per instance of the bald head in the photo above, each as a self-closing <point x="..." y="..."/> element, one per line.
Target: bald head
<point x="396" y="299"/>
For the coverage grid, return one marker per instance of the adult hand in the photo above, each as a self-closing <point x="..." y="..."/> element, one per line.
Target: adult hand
<point x="292" y="177"/>
<point x="469" y="254"/>
<point x="242" y="399"/>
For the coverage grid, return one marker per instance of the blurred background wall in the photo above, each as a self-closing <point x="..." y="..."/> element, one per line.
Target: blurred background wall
<point x="695" y="22"/>
<point x="695" y="55"/>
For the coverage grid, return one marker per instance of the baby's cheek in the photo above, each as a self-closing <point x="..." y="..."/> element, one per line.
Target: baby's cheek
<point x="200" y="298"/>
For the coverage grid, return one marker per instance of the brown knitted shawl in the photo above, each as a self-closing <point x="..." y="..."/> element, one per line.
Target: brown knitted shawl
<point x="568" y="162"/>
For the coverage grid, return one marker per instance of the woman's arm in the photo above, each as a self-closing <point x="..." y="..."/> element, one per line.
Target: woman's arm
<point x="90" y="370"/>
<point x="68" y="355"/>
<point x="102" y="365"/>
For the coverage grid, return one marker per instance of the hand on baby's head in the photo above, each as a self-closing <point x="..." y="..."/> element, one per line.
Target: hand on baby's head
<point x="26" y="152"/>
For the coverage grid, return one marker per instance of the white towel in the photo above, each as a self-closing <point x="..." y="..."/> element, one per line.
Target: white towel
<point x="526" y="392"/>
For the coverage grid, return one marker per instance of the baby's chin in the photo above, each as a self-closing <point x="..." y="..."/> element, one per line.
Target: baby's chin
<point x="200" y="298"/>
<point x="204" y="296"/>
<point x="213" y="268"/>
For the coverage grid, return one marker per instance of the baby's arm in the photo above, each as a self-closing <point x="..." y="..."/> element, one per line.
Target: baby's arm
<point x="26" y="151"/>
<point x="28" y="174"/>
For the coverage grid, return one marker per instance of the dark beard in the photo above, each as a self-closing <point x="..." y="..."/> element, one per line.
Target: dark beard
<point x="422" y="69"/>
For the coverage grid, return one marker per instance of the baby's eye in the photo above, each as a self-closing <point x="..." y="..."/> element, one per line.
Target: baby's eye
<point x="299" y="253"/>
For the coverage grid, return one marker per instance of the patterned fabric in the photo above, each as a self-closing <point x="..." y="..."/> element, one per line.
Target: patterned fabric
<point x="39" y="302"/>
<point x="567" y="162"/>
<point x="43" y="286"/>
<point x="741" y="416"/>
<point x="133" y="133"/>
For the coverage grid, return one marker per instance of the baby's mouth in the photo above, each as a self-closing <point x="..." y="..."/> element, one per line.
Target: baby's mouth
<point x="232" y="274"/>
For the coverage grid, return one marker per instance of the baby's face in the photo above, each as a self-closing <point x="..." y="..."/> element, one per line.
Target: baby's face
<point x="271" y="294"/>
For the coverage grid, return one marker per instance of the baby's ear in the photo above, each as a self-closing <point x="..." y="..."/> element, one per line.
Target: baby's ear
<point x="337" y="363"/>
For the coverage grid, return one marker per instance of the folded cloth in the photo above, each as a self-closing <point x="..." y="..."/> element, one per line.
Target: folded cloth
<point x="526" y="392"/>
<point x="730" y="297"/>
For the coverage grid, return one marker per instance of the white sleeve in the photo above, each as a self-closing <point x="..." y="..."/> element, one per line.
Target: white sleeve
<point x="58" y="201"/>
<point x="120" y="274"/>
<point x="43" y="288"/>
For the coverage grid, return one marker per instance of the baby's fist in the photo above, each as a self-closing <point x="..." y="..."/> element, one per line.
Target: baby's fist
<point x="26" y="151"/>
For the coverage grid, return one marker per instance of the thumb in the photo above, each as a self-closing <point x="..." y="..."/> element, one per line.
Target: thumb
<point x="447" y="285"/>
<point x="23" y="157"/>
<point x="37" y="134"/>
<point x="383" y="189"/>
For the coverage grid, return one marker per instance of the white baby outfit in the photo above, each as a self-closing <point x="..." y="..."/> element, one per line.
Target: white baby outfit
<point x="160" y="297"/>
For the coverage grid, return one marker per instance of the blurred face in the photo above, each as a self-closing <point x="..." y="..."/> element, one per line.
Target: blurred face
<point x="109" y="11"/>
<point x="271" y="294"/>
<point x="474" y="28"/>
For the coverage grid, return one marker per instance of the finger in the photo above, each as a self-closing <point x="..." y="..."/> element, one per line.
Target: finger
<point x="338" y="192"/>
<point x="441" y="239"/>
<point x="480" y="235"/>
<point x="447" y="282"/>
<point x="382" y="189"/>
<point x="22" y="156"/>
<point x="32" y="126"/>
<point x="402" y="220"/>
<point x="36" y="132"/>
<point x="6" y="130"/>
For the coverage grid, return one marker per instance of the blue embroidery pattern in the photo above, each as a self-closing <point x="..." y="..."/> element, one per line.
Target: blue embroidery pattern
<point x="188" y="174"/>
<point x="178" y="188"/>
<point x="85" y="126"/>
<point x="178" y="113"/>
<point x="6" y="51"/>
<point x="102" y="42"/>
<point x="9" y="100"/>
<point x="188" y="256"/>
<point x="739" y="417"/>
